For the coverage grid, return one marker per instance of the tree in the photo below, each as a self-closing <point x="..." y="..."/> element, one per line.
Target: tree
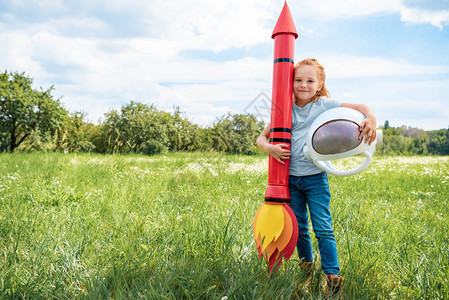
<point x="77" y="135"/>
<point x="236" y="133"/>
<point x="139" y="127"/>
<point x="439" y="142"/>
<point x="25" y="111"/>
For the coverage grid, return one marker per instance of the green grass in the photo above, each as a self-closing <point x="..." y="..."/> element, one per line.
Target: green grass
<point x="179" y="226"/>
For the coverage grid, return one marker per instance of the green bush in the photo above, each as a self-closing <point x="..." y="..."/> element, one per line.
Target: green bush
<point x="254" y="151"/>
<point x="152" y="147"/>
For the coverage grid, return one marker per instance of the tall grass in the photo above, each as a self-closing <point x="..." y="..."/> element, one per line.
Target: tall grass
<point x="178" y="226"/>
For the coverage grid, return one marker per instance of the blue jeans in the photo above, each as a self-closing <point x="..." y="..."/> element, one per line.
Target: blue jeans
<point x="313" y="192"/>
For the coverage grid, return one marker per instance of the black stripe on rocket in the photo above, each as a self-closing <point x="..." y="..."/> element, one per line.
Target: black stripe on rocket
<point x="280" y="129"/>
<point x="283" y="59"/>
<point x="280" y="135"/>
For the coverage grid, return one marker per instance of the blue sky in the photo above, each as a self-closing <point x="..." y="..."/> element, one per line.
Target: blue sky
<point x="213" y="57"/>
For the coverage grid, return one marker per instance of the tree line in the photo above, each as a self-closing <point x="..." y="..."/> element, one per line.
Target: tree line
<point x="413" y="141"/>
<point x="33" y="120"/>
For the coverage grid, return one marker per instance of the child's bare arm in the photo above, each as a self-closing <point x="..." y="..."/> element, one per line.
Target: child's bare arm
<point x="277" y="151"/>
<point x="368" y="126"/>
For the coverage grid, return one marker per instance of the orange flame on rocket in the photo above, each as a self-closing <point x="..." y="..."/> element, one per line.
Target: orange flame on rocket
<point x="276" y="233"/>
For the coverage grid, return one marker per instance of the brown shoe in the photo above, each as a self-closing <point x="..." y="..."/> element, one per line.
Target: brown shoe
<point x="334" y="284"/>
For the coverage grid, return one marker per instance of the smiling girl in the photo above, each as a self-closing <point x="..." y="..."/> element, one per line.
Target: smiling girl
<point x="308" y="185"/>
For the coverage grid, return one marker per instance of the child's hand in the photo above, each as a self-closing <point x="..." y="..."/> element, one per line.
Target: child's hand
<point x="279" y="153"/>
<point x="368" y="125"/>
<point x="368" y="130"/>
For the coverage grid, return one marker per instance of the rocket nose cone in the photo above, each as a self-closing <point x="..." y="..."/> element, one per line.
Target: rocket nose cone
<point x="285" y="23"/>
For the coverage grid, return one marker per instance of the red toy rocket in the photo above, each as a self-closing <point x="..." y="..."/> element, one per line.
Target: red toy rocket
<point x="275" y="226"/>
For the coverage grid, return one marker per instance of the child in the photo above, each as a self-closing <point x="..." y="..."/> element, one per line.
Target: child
<point x="308" y="184"/>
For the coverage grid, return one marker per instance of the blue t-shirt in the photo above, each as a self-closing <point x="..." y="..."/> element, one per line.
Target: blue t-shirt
<point x="302" y="119"/>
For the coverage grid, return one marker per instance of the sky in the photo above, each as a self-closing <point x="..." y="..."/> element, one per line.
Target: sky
<point x="212" y="57"/>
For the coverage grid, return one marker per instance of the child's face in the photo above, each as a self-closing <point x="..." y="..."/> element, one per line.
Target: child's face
<point x="305" y="83"/>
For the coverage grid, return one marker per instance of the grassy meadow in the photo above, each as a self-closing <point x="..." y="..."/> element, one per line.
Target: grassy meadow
<point x="179" y="226"/>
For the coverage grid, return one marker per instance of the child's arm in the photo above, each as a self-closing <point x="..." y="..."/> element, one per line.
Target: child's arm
<point x="277" y="151"/>
<point x="368" y="126"/>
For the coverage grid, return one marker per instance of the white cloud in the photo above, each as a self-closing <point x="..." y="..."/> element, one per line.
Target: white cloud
<point x="212" y="25"/>
<point x="16" y="56"/>
<point x="330" y="9"/>
<point x="92" y="78"/>
<point x="418" y="102"/>
<point x="349" y="8"/>
<point x="439" y="18"/>
<point x="99" y="78"/>
<point x="38" y="6"/>
<point x="175" y="25"/>
<point x="356" y="66"/>
<point x="428" y="114"/>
